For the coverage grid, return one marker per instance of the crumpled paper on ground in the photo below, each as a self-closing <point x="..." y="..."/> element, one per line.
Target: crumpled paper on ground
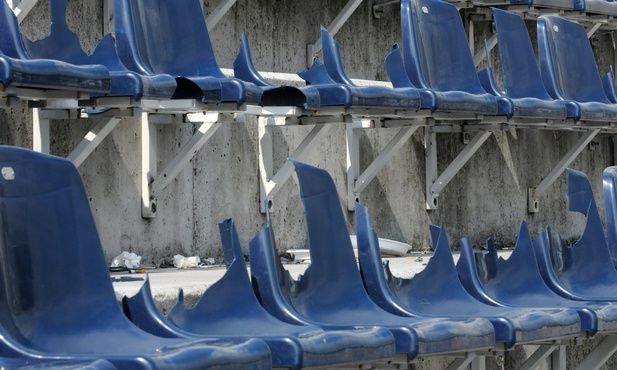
<point x="182" y="262"/>
<point x="126" y="259"/>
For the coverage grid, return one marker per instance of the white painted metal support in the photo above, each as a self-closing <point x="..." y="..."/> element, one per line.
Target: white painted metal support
<point x="218" y="13"/>
<point x="92" y="140"/>
<point x="478" y="363"/>
<point x="461" y="363"/>
<point x="108" y="16"/>
<point x="270" y="183"/>
<point x="154" y="182"/>
<point x="596" y="358"/>
<point x="480" y="55"/>
<point x="333" y="28"/>
<point x="533" y="194"/>
<point x="434" y="184"/>
<point x="359" y="181"/>
<point x="22" y="8"/>
<point x="593" y="28"/>
<point x="558" y="358"/>
<point x="148" y="166"/>
<point x="40" y="132"/>
<point x="539" y="356"/>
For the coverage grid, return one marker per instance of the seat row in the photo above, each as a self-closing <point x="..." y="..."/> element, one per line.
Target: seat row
<point x="334" y="314"/>
<point x="437" y="75"/>
<point x="148" y="74"/>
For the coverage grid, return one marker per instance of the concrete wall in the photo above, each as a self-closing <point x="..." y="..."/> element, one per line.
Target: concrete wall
<point x="488" y="197"/>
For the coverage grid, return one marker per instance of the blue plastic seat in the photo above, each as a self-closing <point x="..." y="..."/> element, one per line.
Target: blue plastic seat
<point x="585" y="270"/>
<point x="436" y="57"/>
<point x="608" y="82"/>
<point x="418" y="294"/>
<point x="520" y="73"/>
<point x="56" y="296"/>
<point x="489" y="278"/>
<point x="331" y="290"/>
<point x="244" y="69"/>
<point x="330" y="79"/>
<point x="609" y="186"/>
<point x="229" y="308"/>
<point x="171" y="37"/>
<point x="18" y="69"/>
<point x="569" y="69"/>
<point x="597" y="7"/>
<point x="63" y="44"/>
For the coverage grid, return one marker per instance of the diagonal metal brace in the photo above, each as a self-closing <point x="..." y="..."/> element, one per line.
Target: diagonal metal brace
<point x="271" y="183"/>
<point x="533" y="205"/>
<point x="434" y="184"/>
<point x="356" y="182"/>
<point x="153" y="182"/>
<point x="333" y="28"/>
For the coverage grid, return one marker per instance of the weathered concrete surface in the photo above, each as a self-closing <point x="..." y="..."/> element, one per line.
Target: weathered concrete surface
<point x="488" y="197"/>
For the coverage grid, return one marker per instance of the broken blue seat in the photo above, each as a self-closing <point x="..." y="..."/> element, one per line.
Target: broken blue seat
<point x="63" y="44"/>
<point x="520" y="73"/>
<point x="584" y="270"/>
<point x="331" y="292"/>
<point x="437" y="58"/>
<point x="273" y="95"/>
<point x="229" y="308"/>
<point x="608" y="82"/>
<point x="489" y="278"/>
<point x="569" y="70"/>
<point x="418" y="295"/>
<point x="56" y="296"/>
<point x="19" y="70"/>
<point x="336" y="88"/>
<point x="609" y="187"/>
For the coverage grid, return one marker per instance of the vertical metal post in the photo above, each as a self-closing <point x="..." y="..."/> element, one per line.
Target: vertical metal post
<point x="148" y="166"/>
<point x="40" y="132"/>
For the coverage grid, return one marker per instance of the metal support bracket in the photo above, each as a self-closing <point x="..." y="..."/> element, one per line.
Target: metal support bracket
<point x="333" y="28"/>
<point x="356" y="182"/>
<point x="435" y="184"/>
<point x="153" y="182"/>
<point x="21" y="8"/>
<point x="598" y="357"/>
<point x="378" y="7"/>
<point x="461" y="363"/>
<point x="271" y="183"/>
<point x="533" y="205"/>
<point x="40" y="134"/>
<point x="217" y="13"/>
<point x="541" y="354"/>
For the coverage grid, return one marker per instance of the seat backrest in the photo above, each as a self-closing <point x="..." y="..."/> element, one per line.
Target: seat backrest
<point x="589" y="258"/>
<point x="395" y="68"/>
<point x="244" y="68"/>
<point x="63" y="44"/>
<point x="436" y="52"/>
<point x="332" y="59"/>
<point x="10" y="37"/>
<point x="567" y="63"/>
<point x="521" y="76"/>
<point x="165" y="37"/>
<point x="609" y="186"/>
<point x="608" y="82"/>
<point x="521" y="263"/>
<point x="229" y="301"/>
<point x="53" y="267"/>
